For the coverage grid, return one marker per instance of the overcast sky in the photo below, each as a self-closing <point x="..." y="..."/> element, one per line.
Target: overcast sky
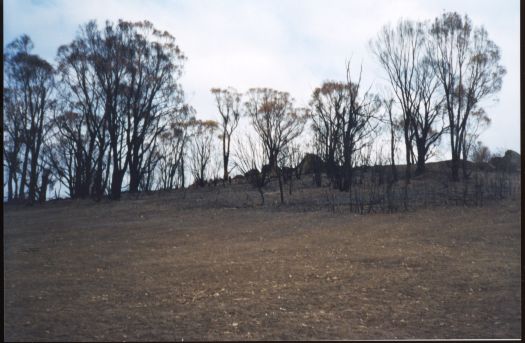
<point x="287" y="45"/>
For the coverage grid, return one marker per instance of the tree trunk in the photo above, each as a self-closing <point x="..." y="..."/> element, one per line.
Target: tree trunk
<point x="33" y="175"/>
<point x="115" y="185"/>
<point x="182" y="179"/>
<point x="420" y="169"/>
<point x="24" y="174"/>
<point x="279" y="176"/>
<point x="392" y="155"/>
<point x="10" y="186"/>
<point x="225" y="174"/>
<point x="225" y="155"/>
<point x="455" y="168"/>
<point x="116" y="180"/>
<point x="45" y="182"/>
<point x="464" y="164"/>
<point x="408" y="149"/>
<point x="98" y="188"/>
<point x="347" y="167"/>
<point x="291" y="184"/>
<point x="262" y="194"/>
<point x="455" y="155"/>
<point x="134" y="179"/>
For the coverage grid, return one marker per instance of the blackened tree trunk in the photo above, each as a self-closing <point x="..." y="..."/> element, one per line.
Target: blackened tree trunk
<point x="408" y="151"/>
<point x="225" y="158"/>
<point x="421" y="156"/>
<point x="392" y="155"/>
<point x="46" y="174"/>
<point x="279" y="176"/>
<point x="134" y="168"/>
<point x="10" y="186"/>
<point x="23" y="176"/>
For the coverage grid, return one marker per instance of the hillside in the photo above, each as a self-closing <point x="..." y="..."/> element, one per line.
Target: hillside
<point x="212" y="264"/>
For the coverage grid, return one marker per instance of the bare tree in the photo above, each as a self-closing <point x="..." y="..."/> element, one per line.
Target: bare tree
<point x="250" y="159"/>
<point x="201" y="148"/>
<point x="13" y="141"/>
<point x="467" y="66"/>
<point x="398" y="51"/>
<point x="275" y="121"/>
<point x="328" y="105"/>
<point x="292" y="156"/>
<point x="171" y="151"/>
<point x="67" y="153"/>
<point x="478" y="122"/>
<point x="388" y="104"/>
<point x="123" y="81"/>
<point x="480" y="153"/>
<point x="30" y="83"/>
<point x="358" y="125"/>
<point x="228" y="103"/>
<point x="152" y="95"/>
<point x="427" y="121"/>
<point x="81" y="119"/>
<point x="401" y="52"/>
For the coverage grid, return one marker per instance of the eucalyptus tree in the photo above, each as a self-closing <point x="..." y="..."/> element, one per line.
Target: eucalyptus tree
<point x="328" y="108"/>
<point x="401" y="52"/>
<point x="467" y="65"/>
<point x="29" y="84"/>
<point x="276" y="122"/>
<point x="250" y="159"/>
<point x="228" y="103"/>
<point x="152" y="95"/>
<point x="343" y="121"/>
<point x="359" y="123"/>
<point x="123" y="80"/>
<point x="202" y="135"/>
<point x="13" y="141"/>
<point x="172" y="147"/>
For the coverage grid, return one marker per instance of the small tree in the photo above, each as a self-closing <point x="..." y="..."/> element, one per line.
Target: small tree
<point x="228" y="103"/>
<point x="292" y="156"/>
<point x="480" y="153"/>
<point x="171" y="151"/>
<point x="358" y="126"/>
<point x="276" y="122"/>
<point x="328" y="105"/>
<point x="478" y="122"/>
<point x="250" y="160"/>
<point x="392" y="126"/>
<point x="201" y="148"/>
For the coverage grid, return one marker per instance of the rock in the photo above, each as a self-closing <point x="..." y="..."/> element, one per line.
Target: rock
<point x="511" y="162"/>
<point x="311" y="163"/>
<point x="251" y="175"/>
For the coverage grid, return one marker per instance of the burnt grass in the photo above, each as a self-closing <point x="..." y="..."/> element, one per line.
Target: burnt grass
<point x="212" y="264"/>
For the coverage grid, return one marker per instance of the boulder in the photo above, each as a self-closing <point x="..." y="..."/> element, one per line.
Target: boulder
<point x="238" y="178"/>
<point x="311" y="163"/>
<point x="511" y="162"/>
<point x="251" y="175"/>
<point x="268" y="171"/>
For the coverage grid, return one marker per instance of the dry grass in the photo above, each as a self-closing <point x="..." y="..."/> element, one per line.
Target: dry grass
<point x="148" y="269"/>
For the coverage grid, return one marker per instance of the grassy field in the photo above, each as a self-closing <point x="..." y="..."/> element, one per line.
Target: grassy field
<point x="149" y="269"/>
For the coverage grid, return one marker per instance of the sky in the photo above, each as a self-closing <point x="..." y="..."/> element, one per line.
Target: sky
<point x="288" y="45"/>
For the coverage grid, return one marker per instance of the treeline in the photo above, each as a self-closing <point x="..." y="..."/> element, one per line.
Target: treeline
<point x="111" y="114"/>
